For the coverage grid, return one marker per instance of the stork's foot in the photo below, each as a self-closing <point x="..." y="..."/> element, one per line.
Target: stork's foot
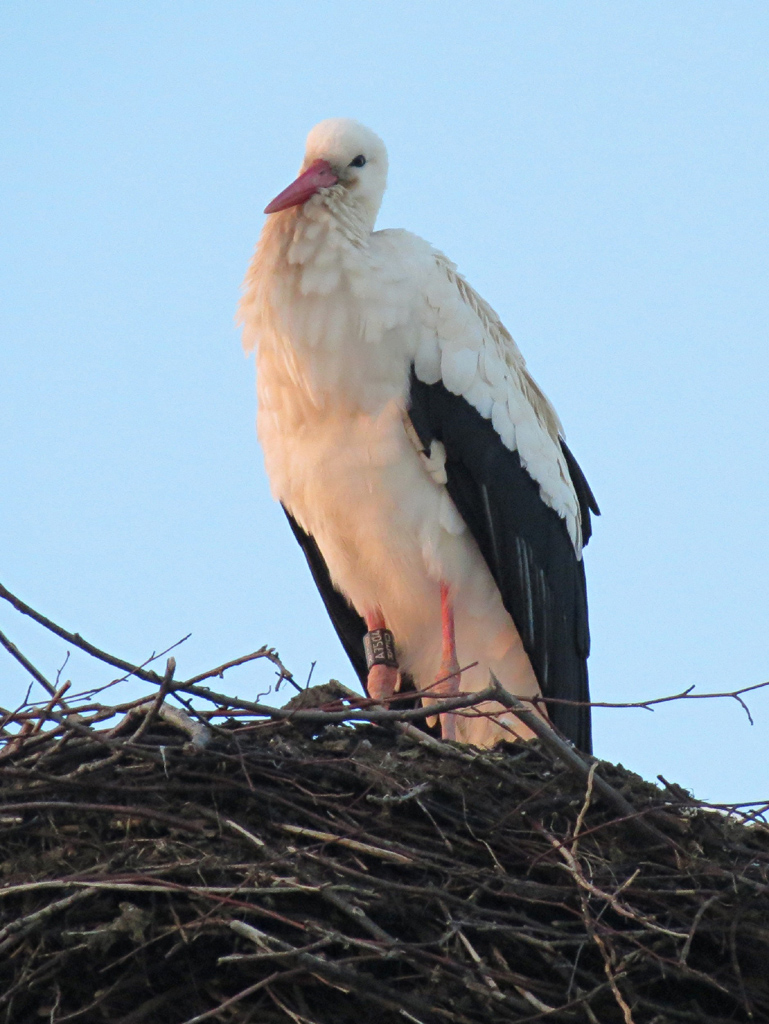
<point x="447" y="684"/>
<point x="382" y="682"/>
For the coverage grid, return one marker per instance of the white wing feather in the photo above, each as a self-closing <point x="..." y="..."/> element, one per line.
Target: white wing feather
<point x="464" y="343"/>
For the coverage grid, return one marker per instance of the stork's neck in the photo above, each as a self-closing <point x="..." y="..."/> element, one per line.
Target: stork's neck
<point x="313" y="250"/>
<point x="330" y="221"/>
<point x="354" y="217"/>
<point x="330" y="318"/>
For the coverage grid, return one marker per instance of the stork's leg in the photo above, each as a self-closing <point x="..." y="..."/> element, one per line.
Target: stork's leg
<point x="382" y="680"/>
<point x="447" y="680"/>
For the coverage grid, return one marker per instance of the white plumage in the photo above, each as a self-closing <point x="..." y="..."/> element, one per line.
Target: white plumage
<point x="338" y="315"/>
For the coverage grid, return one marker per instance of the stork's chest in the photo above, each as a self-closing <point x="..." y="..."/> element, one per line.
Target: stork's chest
<point x="331" y="420"/>
<point x="337" y="327"/>
<point x="338" y="320"/>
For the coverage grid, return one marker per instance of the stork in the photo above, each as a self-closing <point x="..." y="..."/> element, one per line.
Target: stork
<point x="422" y="470"/>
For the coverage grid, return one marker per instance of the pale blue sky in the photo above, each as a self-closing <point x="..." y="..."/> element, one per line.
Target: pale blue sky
<point x="598" y="171"/>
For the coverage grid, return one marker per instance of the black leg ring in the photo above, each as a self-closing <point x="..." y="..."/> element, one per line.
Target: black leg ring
<point x="379" y="645"/>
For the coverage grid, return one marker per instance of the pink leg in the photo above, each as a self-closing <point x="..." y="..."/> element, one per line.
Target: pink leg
<point x="382" y="680"/>
<point x="448" y="678"/>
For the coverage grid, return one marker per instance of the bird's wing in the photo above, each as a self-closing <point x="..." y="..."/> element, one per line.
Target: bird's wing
<point x="349" y="625"/>
<point x="512" y="479"/>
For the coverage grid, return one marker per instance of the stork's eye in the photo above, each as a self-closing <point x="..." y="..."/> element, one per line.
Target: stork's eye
<point x="359" y="161"/>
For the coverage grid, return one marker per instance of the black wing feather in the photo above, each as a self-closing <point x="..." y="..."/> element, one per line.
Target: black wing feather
<point x="524" y="542"/>
<point x="349" y="625"/>
<point x="585" y="496"/>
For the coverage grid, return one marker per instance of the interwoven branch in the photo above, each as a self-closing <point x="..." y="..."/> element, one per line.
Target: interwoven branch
<point x="236" y="862"/>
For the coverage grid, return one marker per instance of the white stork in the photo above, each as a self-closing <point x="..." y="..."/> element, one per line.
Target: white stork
<point x="423" y="471"/>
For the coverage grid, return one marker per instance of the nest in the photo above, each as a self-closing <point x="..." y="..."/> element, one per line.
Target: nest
<point x="173" y="870"/>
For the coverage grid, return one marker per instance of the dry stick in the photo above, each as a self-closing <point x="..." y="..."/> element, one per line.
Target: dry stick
<point x="136" y="670"/>
<point x="377" y="716"/>
<point x="245" y="833"/>
<point x="365" y="985"/>
<point x="576" y="872"/>
<point x="36" y="674"/>
<point x="213" y="891"/>
<point x="22" y="925"/>
<point x="106" y="993"/>
<point x="76" y="639"/>
<point x="452" y="750"/>
<point x="264" y="652"/>
<point x="34" y="732"/>
<point x="161" y="695"/>
<point x="683" y="695"/>
<point x="122" y="809"/>
<point x="295" y="1017"/>
<point x="55" y="699"/>
<point x="239" y="958"/>
<point x="566" y="753"/>
<point x="352" y="844"/>
<point x="68" y="721"/>
<point x="240" y="995"/>
<point x="200" y="733"/>
<point x="270" y="654"/>
<point x="155" y="656"/>
<point x="478" y="961"/>
<point x="695" y="925"/>
<point x="590" y="925"/>
<point x="357" y="914"/>
<point x="607" y="964"/>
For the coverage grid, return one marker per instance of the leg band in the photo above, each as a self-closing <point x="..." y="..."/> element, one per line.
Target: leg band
<point x="379" y="645"/>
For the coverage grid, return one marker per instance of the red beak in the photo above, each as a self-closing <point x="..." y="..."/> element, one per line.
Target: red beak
<point x="318" y="175"/>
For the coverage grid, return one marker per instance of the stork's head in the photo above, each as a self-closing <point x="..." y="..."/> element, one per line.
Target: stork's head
<point x="343" y="153"/>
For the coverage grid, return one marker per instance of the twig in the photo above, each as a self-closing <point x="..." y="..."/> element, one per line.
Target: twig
<point x="148" y="661"/>
<point x="55" y="699"/>
<point x="23" y="925"/>
<point x="351" y="844"/>
<point x="374" y="715"/>
<point x="122" y="809"/>
<point x="226" y="1003"/>
<point x="358" y="915"/>
<point x="259" y="843"/>
<point x="610" y="898"/>
<point x="695" y="925"/>
<point x="36" y="674"/>
<point x="77" y="640"/>
<point x="366" y="987"/>
<point x="264" y="652"/>
<point x="566" y="753"/>
<point x="200" y="733"/>
<point x="686" y="694"/>
<point x="157" y="702"/>
<point x="584" y="808"/>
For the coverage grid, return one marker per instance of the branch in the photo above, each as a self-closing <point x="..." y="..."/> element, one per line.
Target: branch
<point x="271" y="655"/>
<point x="77" y="640"/>
<point x="683" y="695"/>
<point x="157" y="702"/>
<point x="36" y="674"/>
<point x="264" y="652"/>
<point x="136" y="670"/>
<point x="374" y="715"/>
<point x="566" y="753"/>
